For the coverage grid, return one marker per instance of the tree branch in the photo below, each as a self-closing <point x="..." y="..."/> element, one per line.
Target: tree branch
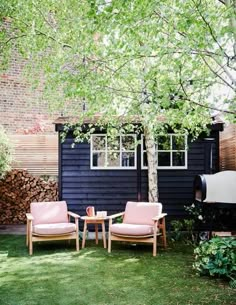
<point x="122" y="90"/>
<point x="210" y="29"/>
<point x="185" y="35"/>
<point x="210" y="107"/>
<point x="217" y="74"/>
<point x="203" y="105"/>
<point x="230" y="4"/>
<point x="15" y="37"/>
<point x="44" y="18"/>
<point x="64" y="45"/>
<point x="230" y="76"/>
<point x="42" y="33"/>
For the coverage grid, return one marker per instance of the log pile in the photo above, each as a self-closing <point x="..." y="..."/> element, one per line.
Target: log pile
<point x="18" y="189"/>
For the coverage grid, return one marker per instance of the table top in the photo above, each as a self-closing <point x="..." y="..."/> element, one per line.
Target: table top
<point x="94" y="217"/>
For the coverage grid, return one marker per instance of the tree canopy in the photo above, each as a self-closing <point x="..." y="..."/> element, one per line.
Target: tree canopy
<point x="164" y="61"/>
<point x="131" y="57"/>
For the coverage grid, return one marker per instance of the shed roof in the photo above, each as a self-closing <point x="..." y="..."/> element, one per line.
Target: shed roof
<point x="217" y="122"/>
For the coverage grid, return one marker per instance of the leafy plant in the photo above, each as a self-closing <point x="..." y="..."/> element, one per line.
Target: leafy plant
<point x="196" y="211"/>
<point x="217" y="257"/>
<point x="177" y="227"/>
<point x="183" y="230"/>
<point x="203" y="214"/>
<point x="5" y="153"/>
<point x="119" y="219"/>
<point x="189" y="226"/>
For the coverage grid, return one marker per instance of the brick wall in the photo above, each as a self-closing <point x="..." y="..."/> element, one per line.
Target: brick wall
<point x="22" y="108"/>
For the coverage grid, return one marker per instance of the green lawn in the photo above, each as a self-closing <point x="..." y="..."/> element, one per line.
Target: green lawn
<point x="56" y="275"/>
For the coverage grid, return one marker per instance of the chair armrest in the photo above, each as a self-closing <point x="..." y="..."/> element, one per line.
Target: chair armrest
<point x="116" y="215"/>
<point x="29" y="216"/>
<point x="73" y="214"/>
<point x="159" y="216"/>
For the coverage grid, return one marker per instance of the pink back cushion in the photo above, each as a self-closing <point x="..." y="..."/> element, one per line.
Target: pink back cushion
<point x="141" y="212"/>
<point x="49" y="212"/>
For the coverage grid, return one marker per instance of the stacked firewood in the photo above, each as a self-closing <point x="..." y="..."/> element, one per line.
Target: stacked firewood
<point x="18" y="189"/>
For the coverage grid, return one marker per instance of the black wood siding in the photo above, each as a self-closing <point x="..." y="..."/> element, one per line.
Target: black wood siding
<point x="110" y="189"/>
<point x="176" y="186"/>
<point x="107" y="190"/>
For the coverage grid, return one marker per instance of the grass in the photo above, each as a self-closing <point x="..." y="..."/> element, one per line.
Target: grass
<point x="56" y="275"/>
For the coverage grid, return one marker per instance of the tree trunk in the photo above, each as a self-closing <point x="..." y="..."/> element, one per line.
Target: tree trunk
<point x="153" y="193"/>
<point x="229" y="4"/>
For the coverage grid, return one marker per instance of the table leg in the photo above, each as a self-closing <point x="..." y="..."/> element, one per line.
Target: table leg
<point x="84" y="234"/>
<point x="104" y="235"/>
<point x="96" y="232"/>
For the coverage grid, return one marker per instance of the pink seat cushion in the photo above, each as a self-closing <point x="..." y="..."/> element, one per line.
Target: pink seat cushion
<point x="131" y="229"/>
<point x="141" y="212"/>
<point x="49" y="212"/>
<point x="54" y="228"/>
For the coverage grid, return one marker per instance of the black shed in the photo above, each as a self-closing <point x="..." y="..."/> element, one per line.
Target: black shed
<point x="85" y="180"/>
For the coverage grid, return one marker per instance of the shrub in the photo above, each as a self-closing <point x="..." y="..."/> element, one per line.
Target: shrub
<point x="217" y="257"/>
<point x="177" y="227"/>
<point x="5" y="153"/>
<point x="183" y="230"/>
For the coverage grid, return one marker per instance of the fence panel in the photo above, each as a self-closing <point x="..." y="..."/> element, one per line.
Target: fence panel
<point x="228" y="148"/>
<point x="36" y="153"/>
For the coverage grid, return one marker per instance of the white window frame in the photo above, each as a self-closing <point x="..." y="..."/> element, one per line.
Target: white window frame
<point x="171" y="151"/>
<point x="120" y="151"/>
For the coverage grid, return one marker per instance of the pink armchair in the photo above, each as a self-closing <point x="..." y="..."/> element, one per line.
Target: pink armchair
<point x="51" y="221"/>
<point x="143" y="222"/>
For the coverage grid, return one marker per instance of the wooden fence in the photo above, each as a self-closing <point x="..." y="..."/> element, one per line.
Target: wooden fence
<point x="228" y="148"/>
<point x="36" y="153"/>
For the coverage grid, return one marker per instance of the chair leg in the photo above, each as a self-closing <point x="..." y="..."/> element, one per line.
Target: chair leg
<point x="109" y="236"/>
<point x="104" y="235"/>
<point x="30" y="237"/>
<point x="164" y="233"/>
<point x="96" y="233"/>
<point x="77" y="243"/>
<point x="154" y="252"/>
<point x="27" y="233"/>
<point x="109" y="243"/>
<point x="77" y="235"/>
<point x="155" y="247"/>
<point x="30" y="245"/>
<point x="84" y="234"/>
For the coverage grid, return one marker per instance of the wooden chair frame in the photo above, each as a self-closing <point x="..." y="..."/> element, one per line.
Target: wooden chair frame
<point x="32" y="237"/>
<point x="158" y="223"/>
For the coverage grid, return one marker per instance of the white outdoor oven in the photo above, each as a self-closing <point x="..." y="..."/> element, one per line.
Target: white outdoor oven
<point x="216" y="188"/>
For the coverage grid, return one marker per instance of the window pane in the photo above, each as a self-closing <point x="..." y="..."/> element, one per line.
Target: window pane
<point x="145" y="159"/>
<point x="163" y="159"/>
<point x="178" y="142"/>
<point x="99" y="159"/>
<point x="99" y="142"/>
<point x="178" y="159"/>
<point x="144" y="145"/>
<point x="128" y="143"/>
<point x="113" y="159"/>
<point x="127" y="159"/>
<point x="163" y="143"/>
<point x="113" y="143"/>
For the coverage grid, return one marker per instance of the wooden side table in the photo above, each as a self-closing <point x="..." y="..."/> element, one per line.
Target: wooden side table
<point x="96" y="220"/>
